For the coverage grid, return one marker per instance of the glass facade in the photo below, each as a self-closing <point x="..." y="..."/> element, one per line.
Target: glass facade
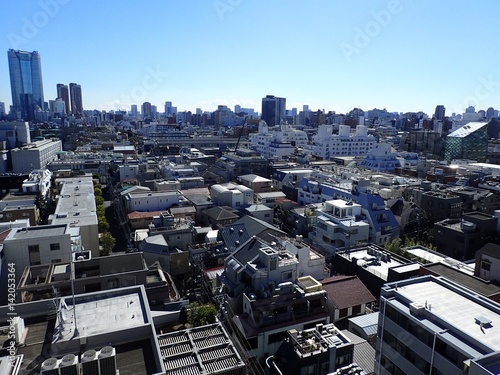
<point x="469" y="142"/>
<point x="26" y="82"/>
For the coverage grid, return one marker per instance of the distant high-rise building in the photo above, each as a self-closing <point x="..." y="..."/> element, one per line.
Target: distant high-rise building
<point x="439" y="113"/>
<point x="273" y="109"/>
<point x="154" y="111"/>
<point x="133" y="110"/>
<point x="2" y="109"/>
<point x="63" y="94"/>
<point x="490" y="113"/>
<point x="26" y="82"/>
<point x="146" y="110"/>
<point x="468" y="142"/>
<point x="75" y="92"/>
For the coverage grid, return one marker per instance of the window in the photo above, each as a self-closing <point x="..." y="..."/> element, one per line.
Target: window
<point x="33" y="249"/>
<point x="308" y="370"/>
<point x="57" y="260"/>
<point x="485" y="265"/>
<point x="342" y="313"/>
<point x="287" y="275"/>
<point x="55" y="246"/>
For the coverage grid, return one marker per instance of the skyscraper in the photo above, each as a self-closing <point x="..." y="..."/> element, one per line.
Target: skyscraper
<point x="63" y="94"/>
<point x="439" y="113"/>
<point x="146" y="110"/>
<point x="133" y="110"/>
<point x="26" y="82"/>
<point x="75" y="92"/>
<point x="273" y="109"/>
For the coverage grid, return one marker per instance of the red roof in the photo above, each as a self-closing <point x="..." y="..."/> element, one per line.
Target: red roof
<point x="347" y="291"/>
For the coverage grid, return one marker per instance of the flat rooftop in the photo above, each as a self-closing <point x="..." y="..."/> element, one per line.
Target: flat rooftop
<point x="100" y="314"/>
<point x="457" y="310"/>
<point x="37" y="232"/>
<point x="425" y="254"/>
<point x="374" y="263"/>
<point x="76" y="202"/>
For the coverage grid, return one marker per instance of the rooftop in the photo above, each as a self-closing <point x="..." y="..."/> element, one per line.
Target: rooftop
<point x="467" y="129"/>
<point x="40" y="231"/>
<point x="458" y="308"/>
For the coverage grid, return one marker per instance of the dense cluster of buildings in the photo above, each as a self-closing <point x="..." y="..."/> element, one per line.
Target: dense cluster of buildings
<point x="355" y="243"/>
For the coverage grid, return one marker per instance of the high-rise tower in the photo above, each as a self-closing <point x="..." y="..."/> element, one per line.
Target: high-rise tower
<point x="75" y="92"/>
<point x="63" y="93"/>
<point x="273" y="109"/>
<point x="26" y="82"/>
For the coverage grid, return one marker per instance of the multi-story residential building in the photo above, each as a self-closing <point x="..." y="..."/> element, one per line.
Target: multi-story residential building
<point x="75" y="92"/>
<point x="319" y="350"/>
<point x="63" y="94"/>
<point x="289" y="177"/>
<point x="325" y="144"/>
<point x="232" y="195"/>
<point x="151" y="201"/>
<point x="255" y="182"/>
<point x="14" y="134"/>
<point x="92" y="275"/>
<point x="430" y="325"/>
<point x="488" y="262"/>
<point x="38" y="181"/>
<point x="339" y="225"/>
<point x="468" y="142"/>
<point x="43" y="244"/>
<point x="437" y="204"/>
<point x="374" y="266"/>
<point x="269" y="199"/>
<point x="383" y="224"/>
<point x="76" y="206"/>
<point x="243" y="161"/>
<point x="262" y="212"/>
<point x="26" y="83"/>
<point x="35" y="155"/>
<point x="381" y="159"/>
<point x="278" y="144"/>
<point x="460" y="238"/>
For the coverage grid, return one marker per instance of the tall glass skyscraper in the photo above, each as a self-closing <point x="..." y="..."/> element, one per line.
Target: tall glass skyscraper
<point x="26" y="82"/>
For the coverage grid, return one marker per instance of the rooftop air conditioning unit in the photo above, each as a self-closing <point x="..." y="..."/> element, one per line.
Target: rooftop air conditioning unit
<point x="107" y="361"/>
<point x="50" y="367"/>
<point x="90" y="364"/>
<point x="69" y="365"/>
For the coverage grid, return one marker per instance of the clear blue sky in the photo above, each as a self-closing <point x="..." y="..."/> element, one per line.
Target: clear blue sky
<point x="417" y="54"/>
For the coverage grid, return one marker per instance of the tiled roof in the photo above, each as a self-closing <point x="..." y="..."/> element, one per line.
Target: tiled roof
<point x="347" y="291"/>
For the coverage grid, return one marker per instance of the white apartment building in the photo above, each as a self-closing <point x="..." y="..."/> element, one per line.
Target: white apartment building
<point x="278" y="143"/>
<point x="38" y="181"/>
<point x="325" y="144"/>
<point x="339" y="225"/>
<point x="151" y="201"/>
<point x="76" y="207"/>
<point x="35" y="155"/>
<point x="235" y="196"/>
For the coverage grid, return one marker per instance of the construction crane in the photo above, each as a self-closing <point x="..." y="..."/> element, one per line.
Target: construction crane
<point x="241" y="133"/>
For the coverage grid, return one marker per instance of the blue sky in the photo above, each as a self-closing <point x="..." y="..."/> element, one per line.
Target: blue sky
<point x="402" y="55"/>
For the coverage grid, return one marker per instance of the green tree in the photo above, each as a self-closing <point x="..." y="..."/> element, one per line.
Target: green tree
<point x="107" y="242"/>
<point x="97" y="192"/>
<point x="99" y="201"/>
<point x="43" y="207"/>
<point x="199" y="315"/>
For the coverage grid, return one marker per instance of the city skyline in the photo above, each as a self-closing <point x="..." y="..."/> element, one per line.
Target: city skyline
<point x="399" y="55"/>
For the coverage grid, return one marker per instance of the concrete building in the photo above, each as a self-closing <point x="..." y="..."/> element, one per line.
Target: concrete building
<point x="262" y="212"/>
<point x="383" y="224"/>
<point x="374" y="266"/>
<point x="35" y="155"/>
<point x="381" y="159"/>
<point x="44" y="244"/>
<point x="151" y="201"/>
<point x="488" y="262"/>
<point x="94" y="275"/>
<point x="257" y="183"/>
<point x="38" y="181"/>
<point x="339" y="225"/>
<point x="279" y="143"/>
<point x="232" y="195"/>
<point x="468" y="142"/>
<point x="326" y="145"/>
<point x="269" y="199"/>
<point x="432" y="325"/>
<point x="76" y="206"/>
<point x="460" y="238"/>
<point x="319" y="350"/>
